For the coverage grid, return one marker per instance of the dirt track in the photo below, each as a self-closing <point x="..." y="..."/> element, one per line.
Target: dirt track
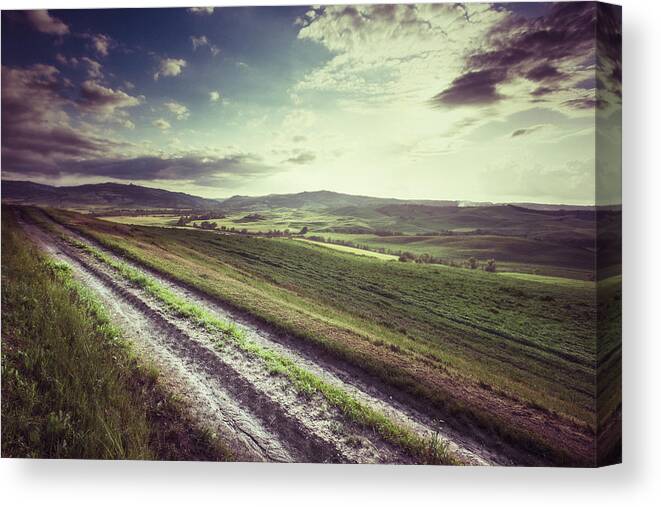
<point x="260" y="415"/>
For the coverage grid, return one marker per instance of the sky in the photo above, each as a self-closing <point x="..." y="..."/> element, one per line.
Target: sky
<point x="476" y="102"/>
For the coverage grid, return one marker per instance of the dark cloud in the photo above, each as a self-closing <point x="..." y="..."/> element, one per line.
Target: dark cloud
<point x="544" y="72"/>
<point x="36" y="129"/>
<point x="37" y="132"/>
<point x="478" y="87"/>
<point x="189" y="167"/>
<point x="609" y="54"/>
<point x="531" y="48"/>
<point x="542" y="90"/>
<point x="584" y="103"/>
<point x="97" y="98"/>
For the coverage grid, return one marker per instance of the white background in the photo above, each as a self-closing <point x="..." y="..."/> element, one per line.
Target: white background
<point x="636" y="482"/>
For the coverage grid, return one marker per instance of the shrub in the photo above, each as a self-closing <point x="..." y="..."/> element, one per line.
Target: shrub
<point x="407" y="257"/>
<point x="472" y="263"/>
<point x="490" y="266"/>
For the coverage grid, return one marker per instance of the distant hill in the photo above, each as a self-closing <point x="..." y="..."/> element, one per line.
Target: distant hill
<point x="101" y="195"/>
<point x="322" y="199"/>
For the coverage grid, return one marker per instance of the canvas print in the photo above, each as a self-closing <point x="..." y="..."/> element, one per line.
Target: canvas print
<point x="316" y="234"/>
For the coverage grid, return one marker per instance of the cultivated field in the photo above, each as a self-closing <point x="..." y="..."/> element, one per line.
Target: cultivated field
<point x="505" y="361"/>
<point x="558" y="243"/>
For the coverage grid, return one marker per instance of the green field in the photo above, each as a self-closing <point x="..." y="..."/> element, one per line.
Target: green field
<point x="519" y="240"/>
<point x="352" y="250"/>
<point x="159" y="220"/>
<point x="431" y="330"/>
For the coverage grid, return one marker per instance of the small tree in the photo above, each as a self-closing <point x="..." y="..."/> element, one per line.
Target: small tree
<point x="491" y="266"/>
<point x="472" y="263"/>
<point x="407" y="257"/>
<point x="304" y="230"/>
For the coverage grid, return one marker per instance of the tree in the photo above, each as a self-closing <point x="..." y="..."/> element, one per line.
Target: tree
<point x="208" y="225"/>
<point x="472" y="263"/>
<point x="491" y="266"/>
<point x="304" y="230"/>
<point x="407" y="257"/>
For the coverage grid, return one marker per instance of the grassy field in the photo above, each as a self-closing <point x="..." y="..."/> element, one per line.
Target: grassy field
<point x="71" y="387"/>
<point x="159" y="220"/>
<point x="514" y="254"/>
<point x="467" y="341"/>
<point x="537" y="244"/>
<point x="352" y="250"/>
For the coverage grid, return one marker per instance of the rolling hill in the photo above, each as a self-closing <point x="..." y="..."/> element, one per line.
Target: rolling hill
<point x="102" y="195"/>
<point x="318" y="200"/>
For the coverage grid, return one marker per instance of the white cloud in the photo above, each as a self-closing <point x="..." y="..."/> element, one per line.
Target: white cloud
<point x="199" y="41"/>
<point x="179" y="110"/>
<point x="170" y="67"/>
<point x="46" y="23"/>
<point x="161" y="123"/>
<point x="393" y="52"/>
<point x="214" y="96"/>
<point x="201" y="10"/>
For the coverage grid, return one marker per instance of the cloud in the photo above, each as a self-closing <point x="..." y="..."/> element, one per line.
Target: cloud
<point x="93" y="68"/>
<point x="548" y="49"/>
<point x="477" y="87"/>
<point x="45" y="23"/>
<point x="215" y="96"/>
<point x="161" y="123"/>
<point x="170" y="67"/>
<point x="583" y="103"/>
<point x="198" y="42"/>
<point x="226" y="169"/>
<point x="201" y="41"/>
<point x="511" y="181"/>
<point x="61" y="59"/>
<point x="101" y="43"/>
<point x="304" y="157"/>
<point x="103" y="101"/>
<point x="201" y="10"/>
<point x="37" y="132"/>
<point x="526" y="131"/>
<point x="179" y="110"/>
<point x="384" y="53"/>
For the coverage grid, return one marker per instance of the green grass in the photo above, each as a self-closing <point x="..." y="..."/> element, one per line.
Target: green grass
<point x="425" y="450"/>
<point x="352" y="250"/>
<point x="71" y="386"/>
<point x="520" y="241"/>
<point x="515" y="254"/>
<point x="411" y="325"/>
<point x="159" y="220"/>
